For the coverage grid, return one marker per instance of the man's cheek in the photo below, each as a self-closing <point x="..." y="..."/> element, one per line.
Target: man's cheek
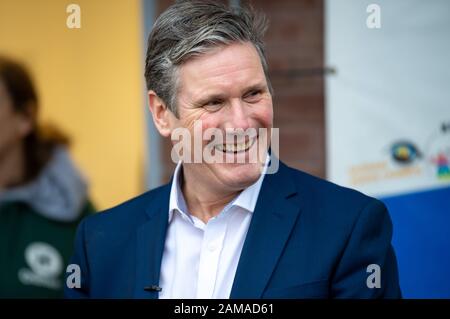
<point x="266" y="117"/>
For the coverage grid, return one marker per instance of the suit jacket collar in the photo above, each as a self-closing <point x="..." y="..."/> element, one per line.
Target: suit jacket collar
<point x="150" y="245"/>
<point x="275" y="215"/>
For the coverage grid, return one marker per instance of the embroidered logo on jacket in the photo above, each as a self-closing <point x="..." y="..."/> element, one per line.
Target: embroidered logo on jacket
<point x="45" y="266"/>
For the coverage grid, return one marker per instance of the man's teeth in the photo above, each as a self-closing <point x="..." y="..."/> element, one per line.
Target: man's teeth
<point x="234" y="148"/>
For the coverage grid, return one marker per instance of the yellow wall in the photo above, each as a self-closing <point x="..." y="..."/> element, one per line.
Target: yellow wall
<point x="90" y="83"/>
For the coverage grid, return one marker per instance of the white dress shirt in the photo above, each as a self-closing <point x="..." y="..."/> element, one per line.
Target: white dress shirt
<point x="200" y="260"/>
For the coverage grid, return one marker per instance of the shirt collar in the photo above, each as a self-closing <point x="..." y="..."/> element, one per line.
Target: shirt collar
<point x="246" y="199"/>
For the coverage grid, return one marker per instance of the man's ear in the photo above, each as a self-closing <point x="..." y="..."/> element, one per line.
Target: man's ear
<point x="160" y="113"/>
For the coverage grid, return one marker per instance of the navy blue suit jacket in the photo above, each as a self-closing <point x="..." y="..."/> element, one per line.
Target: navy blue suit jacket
<point x="308" y="238"/>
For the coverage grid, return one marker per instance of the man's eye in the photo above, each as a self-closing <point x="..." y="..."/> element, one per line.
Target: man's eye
<point x="213" y="105"/>
<point x="214" y="102"/>
<point x="253" y="96"/>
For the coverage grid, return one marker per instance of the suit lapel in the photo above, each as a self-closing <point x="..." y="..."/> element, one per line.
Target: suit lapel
<point x="274" y="217"/>
<point x="150" y="246"/>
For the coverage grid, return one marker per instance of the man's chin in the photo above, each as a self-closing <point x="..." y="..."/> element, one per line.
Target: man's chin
<point x="239" y="176"/>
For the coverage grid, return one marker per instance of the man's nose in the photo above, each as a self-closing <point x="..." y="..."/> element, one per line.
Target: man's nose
<point x="238" y="117"/>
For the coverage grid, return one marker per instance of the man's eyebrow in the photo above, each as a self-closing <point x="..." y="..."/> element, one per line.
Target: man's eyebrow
<point x="220" y="97"/>
<point x="210" y="97"/>
<point x="255" y="87"/>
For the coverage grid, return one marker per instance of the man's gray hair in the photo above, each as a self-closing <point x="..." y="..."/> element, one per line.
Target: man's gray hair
<point x="191" y="28"/>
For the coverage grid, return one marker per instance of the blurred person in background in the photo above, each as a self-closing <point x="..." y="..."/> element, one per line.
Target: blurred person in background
<point x="42" y="194"/>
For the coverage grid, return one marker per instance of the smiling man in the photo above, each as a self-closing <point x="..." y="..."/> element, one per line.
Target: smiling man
<point x="228" y="228"/>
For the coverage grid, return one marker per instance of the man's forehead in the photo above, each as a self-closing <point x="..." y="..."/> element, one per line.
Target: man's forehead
<point x="232" y="65"/>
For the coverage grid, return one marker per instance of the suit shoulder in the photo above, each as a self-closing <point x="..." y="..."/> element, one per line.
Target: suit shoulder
<point x="330" y="198"/>
<point x="129" y="212"/>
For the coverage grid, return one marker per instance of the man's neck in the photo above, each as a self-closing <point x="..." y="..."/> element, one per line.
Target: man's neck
<point x="203" y="202"/>
<point x="12" y="168"/>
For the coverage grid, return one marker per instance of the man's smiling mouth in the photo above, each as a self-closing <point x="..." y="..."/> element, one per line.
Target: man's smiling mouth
<point x="235" y="148"/>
